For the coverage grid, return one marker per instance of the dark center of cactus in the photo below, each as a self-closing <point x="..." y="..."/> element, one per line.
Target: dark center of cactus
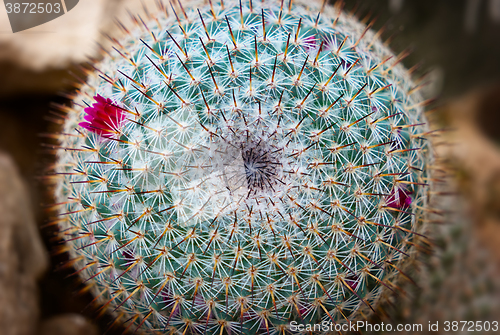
<point x="261" y="165"/>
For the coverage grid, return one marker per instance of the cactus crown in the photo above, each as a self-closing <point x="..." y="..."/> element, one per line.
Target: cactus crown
<point x="243" y="166"/>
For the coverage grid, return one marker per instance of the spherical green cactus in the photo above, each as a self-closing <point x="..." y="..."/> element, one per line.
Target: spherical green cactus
<point x="241" y="168"/>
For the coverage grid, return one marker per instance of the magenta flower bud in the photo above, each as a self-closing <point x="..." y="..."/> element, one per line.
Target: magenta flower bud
<point x="103" y="118"/>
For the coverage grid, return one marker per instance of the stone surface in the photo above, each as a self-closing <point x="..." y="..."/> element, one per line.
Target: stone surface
<point x="68" y="324"/>
<point x="475" y="155"/>
<point x="37" y="60"/>
<point x="23" y="258"/>
<point x="55" y="44"/>
<point x="71" y="38"/>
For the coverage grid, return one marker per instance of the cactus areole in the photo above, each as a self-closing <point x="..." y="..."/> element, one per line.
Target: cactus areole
<point x="240" y="168"/>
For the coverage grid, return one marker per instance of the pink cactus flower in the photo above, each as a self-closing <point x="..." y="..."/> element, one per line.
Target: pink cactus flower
<point x="309" y="43"/>
<point x="103" y="117"/>
<point x="352" y="281"/>
<point x="399" y="198"/>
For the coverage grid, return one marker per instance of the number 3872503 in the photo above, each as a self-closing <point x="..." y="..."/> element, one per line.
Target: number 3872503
<point x="470" y="326"/>
<point x="32" y="8"/>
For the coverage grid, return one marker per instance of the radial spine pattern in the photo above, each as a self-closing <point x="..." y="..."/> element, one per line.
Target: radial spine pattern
<point x="243" y="166"/>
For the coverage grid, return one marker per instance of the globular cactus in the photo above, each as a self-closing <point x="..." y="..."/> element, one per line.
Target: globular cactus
<point x="235" y="168"/>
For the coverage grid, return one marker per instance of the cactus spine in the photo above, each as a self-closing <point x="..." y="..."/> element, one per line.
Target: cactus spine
<point x="242" y="166"/>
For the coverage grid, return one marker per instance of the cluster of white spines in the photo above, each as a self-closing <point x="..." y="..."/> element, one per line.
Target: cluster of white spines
<point x="263" y="171"/>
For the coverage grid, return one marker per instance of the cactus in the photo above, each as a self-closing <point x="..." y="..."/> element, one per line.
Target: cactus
<point x="238" y="167"/>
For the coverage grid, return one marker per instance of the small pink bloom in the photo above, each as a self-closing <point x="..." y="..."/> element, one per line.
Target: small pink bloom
<point x="103" y="117"/>
<point x="303" y="309"/>
<point x="309" y="43"/>
<point x="345" y="64"/>
<point x="399" y="199"/>
<point x="128" y="255"/>
<point x="352" y="281"/>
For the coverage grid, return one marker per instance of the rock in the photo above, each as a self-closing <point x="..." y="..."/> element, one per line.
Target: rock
<point x="68" y="324"/>
<point x="23" y="258"/>
<point x="58" y="43"/>
<point x="475" y="154"/>
<point x="37" y="60"/>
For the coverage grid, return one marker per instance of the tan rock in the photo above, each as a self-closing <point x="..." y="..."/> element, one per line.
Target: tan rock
<point x="68" y="324"/>
<point x="23" y="258"/>
<point x="68" y="39"/>
<point x="58" y="43"/>
<point x="37" y="60"/>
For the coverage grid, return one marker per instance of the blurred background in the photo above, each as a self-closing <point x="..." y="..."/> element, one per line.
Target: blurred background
<point x="456" y="46"/>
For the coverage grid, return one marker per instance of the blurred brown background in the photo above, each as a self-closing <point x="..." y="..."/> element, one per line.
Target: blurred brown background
<point x="458" y="46"/>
